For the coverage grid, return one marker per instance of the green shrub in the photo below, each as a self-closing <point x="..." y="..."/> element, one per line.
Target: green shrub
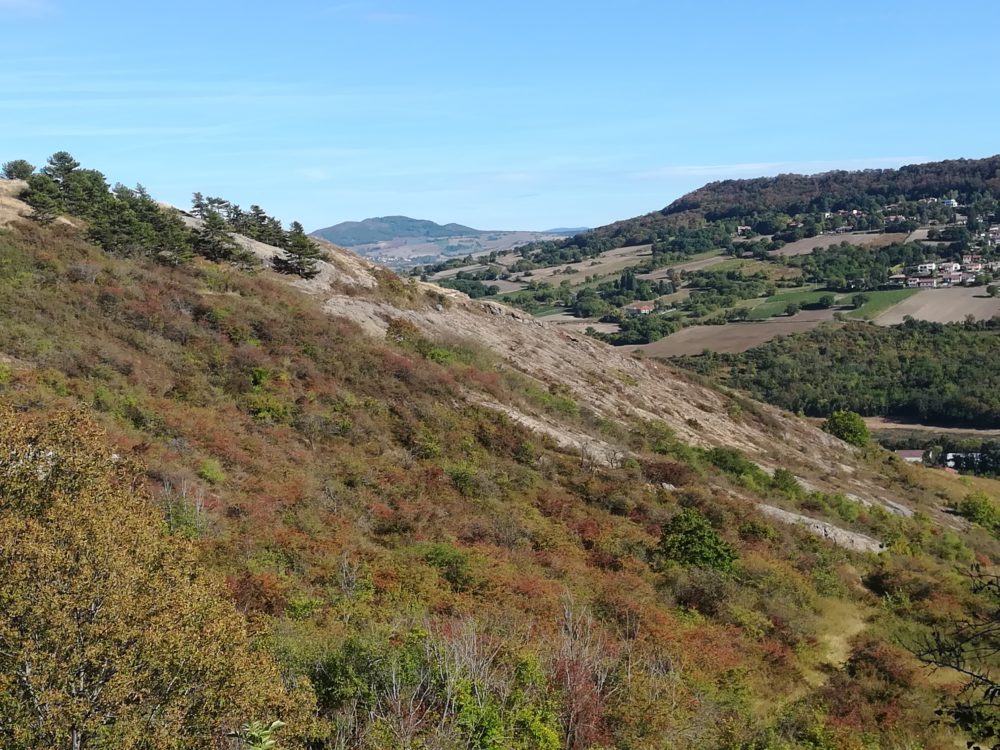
<point x="981" y="509"/>
<point x="688" y="539"/>
<point x="463" y="475"/>
<point x="211" y="471"/>
<point x="849" y="426"/>
<point x="451" y="563"/>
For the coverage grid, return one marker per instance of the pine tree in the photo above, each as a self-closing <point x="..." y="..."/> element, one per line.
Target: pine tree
<point x="85" y="191"/>
<point x="198" y="205"/>
<point x="213" y="240"/>
<point x="301" y="254"/>
<point x="44" y="196"/>
<point x="19" y="169"/>
<point x="59" y="166"/>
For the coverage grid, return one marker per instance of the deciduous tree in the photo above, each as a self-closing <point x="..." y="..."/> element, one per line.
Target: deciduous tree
<point x="110" y="636"/>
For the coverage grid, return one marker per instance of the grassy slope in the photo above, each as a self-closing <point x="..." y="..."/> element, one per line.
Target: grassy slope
<point x="879" y="302"/>
<point x="349" y="493"/>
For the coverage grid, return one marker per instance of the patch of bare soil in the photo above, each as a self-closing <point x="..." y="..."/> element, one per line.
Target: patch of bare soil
<point x="950" y="305"/>
<point x="868" y="239"/>
<point x="12" y="209"/>
<point x="733" y="337"/>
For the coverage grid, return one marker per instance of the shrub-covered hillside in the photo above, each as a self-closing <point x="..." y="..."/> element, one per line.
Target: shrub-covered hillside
<point x="389" y="560"/>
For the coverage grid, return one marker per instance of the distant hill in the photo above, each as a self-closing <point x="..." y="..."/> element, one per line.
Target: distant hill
<point x="387" y="228"/>
<point x="567" y="230"/>
<point x="401" y="242"/>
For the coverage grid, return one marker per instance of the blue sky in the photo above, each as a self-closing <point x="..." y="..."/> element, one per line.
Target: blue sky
<point x="501" y="115"/>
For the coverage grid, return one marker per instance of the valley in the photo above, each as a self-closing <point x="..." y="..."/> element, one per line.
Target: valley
<point x="408" y="512"/>
<point x="870" y="258"/>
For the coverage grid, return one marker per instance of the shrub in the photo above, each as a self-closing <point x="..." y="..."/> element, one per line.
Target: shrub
<point x="688" y="539"/>
<point x="981" y="509"/>
<point x="451" y="563"/>
<point x="666" y="472"/>
<point x="849" y="426"/>
<point x="784" y="481"/>
<point x="211" y="471"/>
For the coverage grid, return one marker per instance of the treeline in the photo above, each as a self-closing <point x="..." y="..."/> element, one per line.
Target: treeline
<point x="946" y="374"/>
<point x="128" y="222"/>
<point x="830" y="191"/>
<point x="473" y="287"/>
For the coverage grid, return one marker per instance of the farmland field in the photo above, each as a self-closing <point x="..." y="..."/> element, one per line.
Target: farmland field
<point x="943" y="306"/>
<point x="880" y="302"/>
<point x="733" y="337"/>
<point x="697" y="263"/>
<point x="867" y="239"/>
<point x="746" y="266"/>
<point x="776" y="304"/>
<point x="881" y="424"/>
<point x="610" y="262"/>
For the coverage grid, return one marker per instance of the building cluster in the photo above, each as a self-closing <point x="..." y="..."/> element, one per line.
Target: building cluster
<point x="934" y="274"/>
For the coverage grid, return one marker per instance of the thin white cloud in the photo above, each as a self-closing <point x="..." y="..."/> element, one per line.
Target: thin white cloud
<point x="774" y="167"/>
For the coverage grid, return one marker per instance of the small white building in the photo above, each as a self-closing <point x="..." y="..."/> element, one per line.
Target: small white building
<point x="925" y="269"/>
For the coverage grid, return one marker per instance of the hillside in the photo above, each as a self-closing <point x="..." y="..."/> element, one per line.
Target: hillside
<point x="445" y="523"/>
<point x="747" y="201"/>
<point x="796" y="193"/>
<point x="351" y="234"/>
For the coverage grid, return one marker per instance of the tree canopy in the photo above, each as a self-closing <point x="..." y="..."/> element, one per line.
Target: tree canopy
<point x="110" y="635"/>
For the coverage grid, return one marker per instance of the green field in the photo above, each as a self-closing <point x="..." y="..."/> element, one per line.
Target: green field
<point x="879" y="302"/>
<point x="776" y="304"/>
<point x="541" y="312"/>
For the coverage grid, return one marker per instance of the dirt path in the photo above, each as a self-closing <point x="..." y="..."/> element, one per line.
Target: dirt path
<point x="842" y="621"/>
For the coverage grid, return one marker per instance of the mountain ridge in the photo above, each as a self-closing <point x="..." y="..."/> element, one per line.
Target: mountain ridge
<point x="382" y="228"/>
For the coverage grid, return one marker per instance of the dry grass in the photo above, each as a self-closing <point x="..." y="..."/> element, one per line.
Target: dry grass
<point x="943" y="306"/>
<point x="734" y="337"/>
<point x="866" y="239"/>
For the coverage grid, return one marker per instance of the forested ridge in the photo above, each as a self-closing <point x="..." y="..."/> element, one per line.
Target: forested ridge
<point x="796" y="193"/>
<point x="762" y="202"/>
<point x="944" y="374"/>
<point x="244" y="523"/>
